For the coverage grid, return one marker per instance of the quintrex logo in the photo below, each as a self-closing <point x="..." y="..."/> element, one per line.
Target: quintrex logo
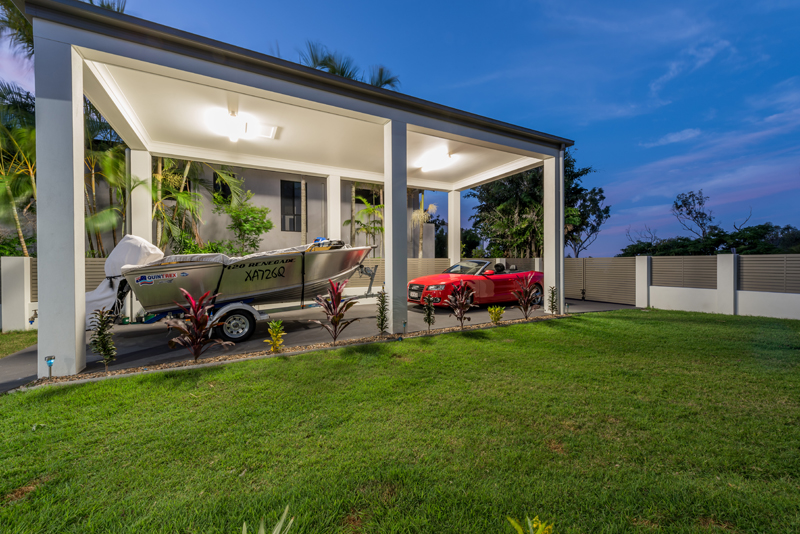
<point x="164" y="278"/>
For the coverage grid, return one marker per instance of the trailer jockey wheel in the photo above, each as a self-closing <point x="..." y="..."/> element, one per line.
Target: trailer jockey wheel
<point x="237" y="326"/>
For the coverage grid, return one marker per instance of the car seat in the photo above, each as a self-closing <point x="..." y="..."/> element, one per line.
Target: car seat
<point x="499" y="268"/>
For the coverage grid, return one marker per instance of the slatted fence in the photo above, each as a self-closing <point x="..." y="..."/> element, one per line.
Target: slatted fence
<point x="95" y="273"/>
<point x="684" y="271"/>
<point x="601" y="279"/>
<point x="775" y="273"/>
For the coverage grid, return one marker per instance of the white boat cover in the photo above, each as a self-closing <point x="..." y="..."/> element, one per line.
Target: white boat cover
<point x="131" y="251"/>
<point x="223" y="259"/>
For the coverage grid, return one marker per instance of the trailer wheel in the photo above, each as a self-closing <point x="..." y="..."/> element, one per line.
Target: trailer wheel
<point x="237" y="326"/>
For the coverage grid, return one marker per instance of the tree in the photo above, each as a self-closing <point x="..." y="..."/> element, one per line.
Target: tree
<point x="470" y="240"/>
<point x="318" y="56"/>
<point x="368" y="221"/>
<point x="440" y="242"/>
<point x="421" y="217"/>
<point x="248" y="223"/>
<point x="691" y="212"/>
<point x="506" y="204"/>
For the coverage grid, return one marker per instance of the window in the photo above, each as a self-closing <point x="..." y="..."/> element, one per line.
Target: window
<point x="221" y="187"/>
<point x="290" y="206"/>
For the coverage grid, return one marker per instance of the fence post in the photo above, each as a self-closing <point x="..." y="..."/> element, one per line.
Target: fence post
<point x="726" y="283"/>
<point x="643" y="270"/>
<point x="16" y="288"/>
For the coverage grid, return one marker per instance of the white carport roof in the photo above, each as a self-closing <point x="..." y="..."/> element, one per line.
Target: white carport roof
<point x="159" y="104"/>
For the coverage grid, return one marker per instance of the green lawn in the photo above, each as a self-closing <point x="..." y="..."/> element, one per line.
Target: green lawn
<point x="630" y="421"/>
<point x="11" y="342"/>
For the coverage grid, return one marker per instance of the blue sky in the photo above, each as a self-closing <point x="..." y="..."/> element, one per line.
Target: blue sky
<point x="661" y="98"/>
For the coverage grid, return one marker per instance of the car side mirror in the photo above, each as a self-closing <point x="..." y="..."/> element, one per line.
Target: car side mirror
<point x="488" y="272"/>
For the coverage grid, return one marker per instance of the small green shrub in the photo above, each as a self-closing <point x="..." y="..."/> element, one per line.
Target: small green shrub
<point x="102" y="340"/>
<point x="552" y="300"/>
<point x="383" y="312"/>
<point x="430" y="312"/>
<point x="496" y="313"/>
<point x="276" y="334"/>
<point x="534" y="527"/>
<point x="279" y="529"/>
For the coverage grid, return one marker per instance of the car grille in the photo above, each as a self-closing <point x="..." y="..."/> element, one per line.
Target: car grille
<point x="416" y="288"/>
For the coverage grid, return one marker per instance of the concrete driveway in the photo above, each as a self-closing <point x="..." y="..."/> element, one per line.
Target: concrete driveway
<point x="141" y="345"/>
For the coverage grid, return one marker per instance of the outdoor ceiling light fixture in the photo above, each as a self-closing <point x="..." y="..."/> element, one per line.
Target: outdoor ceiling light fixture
<point x="237" y="126"/>
<point x="436" y="159"/>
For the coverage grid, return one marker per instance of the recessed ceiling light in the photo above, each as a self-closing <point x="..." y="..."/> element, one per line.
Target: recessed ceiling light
<point x="436" y="159"/>
<point x="237" y="126"/>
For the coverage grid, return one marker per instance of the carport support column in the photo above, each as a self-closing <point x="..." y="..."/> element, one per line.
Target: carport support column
<point x="454" y="226"/>
<point x="139" y="170"/>
<point x="554" y="229"/>
<point x="61" y="246"/>
<point x="395" y="144"/>
<point x="333" y="204"/>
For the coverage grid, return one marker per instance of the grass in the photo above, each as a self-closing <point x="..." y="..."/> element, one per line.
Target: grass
<point x="629" y="421"/>
<point x="11" y="342"/>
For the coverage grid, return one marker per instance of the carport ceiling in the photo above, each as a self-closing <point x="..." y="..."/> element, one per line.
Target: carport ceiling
<point x="167" y="112"/>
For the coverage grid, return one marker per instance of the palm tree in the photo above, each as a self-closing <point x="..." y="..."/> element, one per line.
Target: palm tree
<point x="15" y="185"/>
<point x="317" y="56"/>
<point x="422" y="216"/>
<point x="17" y="106"/>
<point x="380" y="76"/>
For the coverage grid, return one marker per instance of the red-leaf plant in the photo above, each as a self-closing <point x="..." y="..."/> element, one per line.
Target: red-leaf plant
<point x="460" y="300"/>
<point x="196" y="334"/>
<point x="335" y="307"/>
<point x="527" y="295"/>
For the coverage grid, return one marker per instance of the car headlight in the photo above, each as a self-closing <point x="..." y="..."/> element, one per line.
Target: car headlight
<point x="440" y="287"/>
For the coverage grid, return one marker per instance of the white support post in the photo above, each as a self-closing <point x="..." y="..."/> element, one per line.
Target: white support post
<point x="16" y="284"/>
<point x="454" y="226"/>
<point x="61" y="246"/>
<point x="643" y="269"/>
<point x="395" y="143"/>
<point x="333" y="205"/>
<point x="726" y="283"/>
<point x="554" y="229"/>
<point x="140" y="204"/>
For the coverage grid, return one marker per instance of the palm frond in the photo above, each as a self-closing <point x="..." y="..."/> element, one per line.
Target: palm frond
<point x="111" y="5"/>
<point x="380" y="76"/>
<point x="343" y="66"/>
<point x="315" y="55"/>
<point x="16" y="28"/>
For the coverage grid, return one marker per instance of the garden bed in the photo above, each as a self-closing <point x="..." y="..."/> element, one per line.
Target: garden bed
<point x="219" y="358"/>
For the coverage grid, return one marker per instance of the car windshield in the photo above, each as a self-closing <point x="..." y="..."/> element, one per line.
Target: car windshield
<point x="467" y="267"/>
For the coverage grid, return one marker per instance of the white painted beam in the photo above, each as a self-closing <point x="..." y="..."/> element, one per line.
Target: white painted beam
<point x="454" y="226"/>
<point x="61" y="246"/>
<point x="554" y="229"/>
<point x="333" y="207"/>
<point x="498" y="173"/>
<point x="395" y="147"/>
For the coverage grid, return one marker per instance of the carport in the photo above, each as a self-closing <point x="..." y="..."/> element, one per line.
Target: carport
<point x="173" y="94"/>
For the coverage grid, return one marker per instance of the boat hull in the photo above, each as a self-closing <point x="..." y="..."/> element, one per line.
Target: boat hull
<point x="262" y="280"/>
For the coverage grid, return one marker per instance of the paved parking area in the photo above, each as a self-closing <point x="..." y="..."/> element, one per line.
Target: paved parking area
<point x="141" y="345"/>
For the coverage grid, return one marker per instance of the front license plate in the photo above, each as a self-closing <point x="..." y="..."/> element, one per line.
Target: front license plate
<point x="414" y="294"/>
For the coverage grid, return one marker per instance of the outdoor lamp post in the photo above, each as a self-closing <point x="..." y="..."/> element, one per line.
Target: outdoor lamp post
<point x="49" y="361"/>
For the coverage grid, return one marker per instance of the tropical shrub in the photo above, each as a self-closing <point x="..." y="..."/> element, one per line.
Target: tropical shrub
<point x="496" y="313"/>
<point x="334" y="306"/>
<point x="526" y="294"/>
<point x="276" y="334"/>
<point x="534" y="527"/>
<point x="279" y="529"/>
<point x="429" y="312"/>
<point x="195" y="334"/>
<point x="383" y="312"/>
<point x="102" y="340"/>
<point x="552" y="300"/>
<point x="460" y="301"/>
<point x="249" y="223"/>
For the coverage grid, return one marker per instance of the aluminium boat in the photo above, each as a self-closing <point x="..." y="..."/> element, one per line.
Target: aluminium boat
<point x="290" y="274"/>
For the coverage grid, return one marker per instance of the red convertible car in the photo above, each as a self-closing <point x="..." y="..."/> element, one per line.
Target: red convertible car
<point x="490" y="284"/>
